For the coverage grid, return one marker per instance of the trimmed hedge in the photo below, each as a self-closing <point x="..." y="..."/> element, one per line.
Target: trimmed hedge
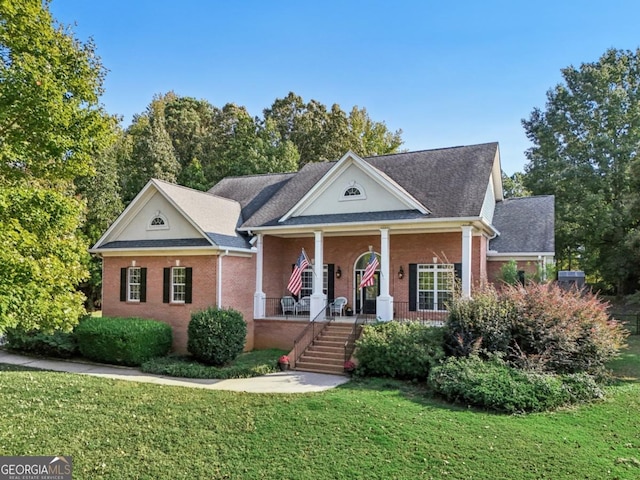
<point x="399" y="350"/>
<point x="123" y="341"/>
<point x="56" y="344"/>
<point x="495" y="385"/>
<point x="216" y="335"/>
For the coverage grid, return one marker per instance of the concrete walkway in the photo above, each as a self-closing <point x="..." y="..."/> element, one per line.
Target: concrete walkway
<point x="281" y="382"/>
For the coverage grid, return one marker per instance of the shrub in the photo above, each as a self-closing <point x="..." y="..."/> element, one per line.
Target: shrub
<point x="562" y="331"/>
<point x="495" y="385"/>
<point x="482" y="322"/>
<point x="399" y="350"/>
<point x="540" y="326"/>
<point x="509" y="273"/>
<point x="216" y="335"/>
<point x="56" y="344"/>
<point x="246" y="365"/>
<point x="123" y="341"/>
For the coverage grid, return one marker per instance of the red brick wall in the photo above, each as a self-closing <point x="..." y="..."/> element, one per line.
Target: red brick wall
<point x="493" y="269"/>
<point x="277" y="333"/>
<point x="238" y="287"/>
<point x="203" y="293"/>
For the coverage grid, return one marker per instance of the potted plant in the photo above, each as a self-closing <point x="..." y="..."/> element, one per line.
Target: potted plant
<point x="283" y="363"/>
<point x="348" y="311"/>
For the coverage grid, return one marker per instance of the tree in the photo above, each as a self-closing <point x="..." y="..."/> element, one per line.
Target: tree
<point x="322" y="134"/>
<point x="41" y="259"/>
<point x="51" y="124"/>
<point x="51" y="129"/>
<point x="513" y="186"/>
<point x="585" y="143"/>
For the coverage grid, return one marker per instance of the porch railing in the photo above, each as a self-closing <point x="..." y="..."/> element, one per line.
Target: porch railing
<point x="309" y="335"/>
<point x="350" y="344"/>
<point x="401" y="313"/>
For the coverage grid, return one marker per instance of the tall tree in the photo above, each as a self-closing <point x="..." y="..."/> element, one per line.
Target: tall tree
<point x="322" y="134"/>
<point x="51" y="128"/>
<point x="51" y="122"/>
<point x="584" y="144"/>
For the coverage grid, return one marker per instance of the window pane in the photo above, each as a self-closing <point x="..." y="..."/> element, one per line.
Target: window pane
<point x="425" y="300"/>
<point x="133" y="286"/>
<point x="178" y="283"/>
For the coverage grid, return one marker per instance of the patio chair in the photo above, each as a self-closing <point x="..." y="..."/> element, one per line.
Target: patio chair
<point x="303" y="305"/>
<point x="288" y="304"/>
<point x="337" y="306"/>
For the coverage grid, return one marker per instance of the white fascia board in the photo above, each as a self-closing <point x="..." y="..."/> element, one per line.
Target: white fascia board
<point x="130" y="211"/>
<point x="387" y="183"/>
<point x="155" y="252"/>
<point x="452" y="222"/>
<point x="497" y="176"/>
<point x="493" y="255"/>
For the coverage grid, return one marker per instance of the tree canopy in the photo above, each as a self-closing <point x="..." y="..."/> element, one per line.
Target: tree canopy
<point x="196" y="144"/>
<point x="585" y="153"/>
<point x="51" y="129"/>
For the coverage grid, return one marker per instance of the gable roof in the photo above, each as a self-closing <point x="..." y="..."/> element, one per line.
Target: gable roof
<point x="449" y="182"/>
<point x="526" y="225"/>
<point x="217" y="230"/>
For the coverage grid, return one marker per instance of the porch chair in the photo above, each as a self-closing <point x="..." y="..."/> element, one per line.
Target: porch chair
<point x="288" y="304"/>
<point x="303" y="305"/>
<point x="337" y="306"/>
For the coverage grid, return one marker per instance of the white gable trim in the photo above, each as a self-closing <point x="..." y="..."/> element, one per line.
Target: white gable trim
<point x="133" y="209"/>
<point x="334" y="172"/>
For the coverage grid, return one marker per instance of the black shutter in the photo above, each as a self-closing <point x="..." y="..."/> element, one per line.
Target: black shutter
<point x="123" y="284"/>
<point x="330" y="282"/>
<point x="166" y="285"/>
<point x="188" y="285"/>
<point x="143" y="285"/>
<point x="457" y="271"/>
<point x="413" y="287"/>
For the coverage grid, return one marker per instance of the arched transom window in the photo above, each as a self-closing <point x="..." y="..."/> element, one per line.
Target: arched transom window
<point x="158" y="222"/>
<point x="353" y="191"/>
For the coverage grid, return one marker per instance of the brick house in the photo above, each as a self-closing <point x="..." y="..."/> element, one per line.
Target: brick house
<point x="429" y="217"/>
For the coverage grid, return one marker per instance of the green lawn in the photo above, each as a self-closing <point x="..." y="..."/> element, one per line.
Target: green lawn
<point x="365" y="429"/>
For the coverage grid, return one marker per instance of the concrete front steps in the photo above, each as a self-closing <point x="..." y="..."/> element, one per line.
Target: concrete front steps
<point x="326" y="354"/>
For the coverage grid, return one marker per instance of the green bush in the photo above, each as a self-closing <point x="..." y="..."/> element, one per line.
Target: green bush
<point x="216" y="335"/>
<point x="495" y="385"/>
<point x="479" y="323"/>
<point x="399" y="350"/>
<point x="123" y="341"/>
<point x="56" y="344"/>
<point x="540" y="326"/>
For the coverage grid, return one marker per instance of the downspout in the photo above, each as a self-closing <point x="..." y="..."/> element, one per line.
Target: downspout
<point x="219" y="279"/>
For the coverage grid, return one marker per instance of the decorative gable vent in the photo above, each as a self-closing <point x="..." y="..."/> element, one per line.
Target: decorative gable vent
<point x="158" y="222"/>
<point x="354" y="191"/>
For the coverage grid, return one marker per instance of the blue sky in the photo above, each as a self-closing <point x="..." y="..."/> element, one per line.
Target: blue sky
<point x="446" y="73"/>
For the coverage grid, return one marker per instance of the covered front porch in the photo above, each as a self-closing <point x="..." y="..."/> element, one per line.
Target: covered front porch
<point x="414" y="277"/>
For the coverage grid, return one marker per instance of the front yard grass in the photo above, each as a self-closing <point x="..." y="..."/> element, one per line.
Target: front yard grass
<point x="370" y="429"/>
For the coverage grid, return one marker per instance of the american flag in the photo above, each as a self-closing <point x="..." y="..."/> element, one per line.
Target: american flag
<point x="369" y="272"/>
<point x="295" y="282"/>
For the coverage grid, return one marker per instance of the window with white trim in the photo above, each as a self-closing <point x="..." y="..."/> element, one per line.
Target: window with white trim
<point x="435" y="286"/>
<point x="354" y="191"/>
<point x="134" y="281"/>
<point x="158" y="222"/>
<point x="307" y="281"/>
<point x="178" y="284"/>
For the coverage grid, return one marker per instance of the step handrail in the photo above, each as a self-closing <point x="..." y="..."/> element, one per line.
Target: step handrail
<point x="309" y="335"/>
<point x="350" y="344"/>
